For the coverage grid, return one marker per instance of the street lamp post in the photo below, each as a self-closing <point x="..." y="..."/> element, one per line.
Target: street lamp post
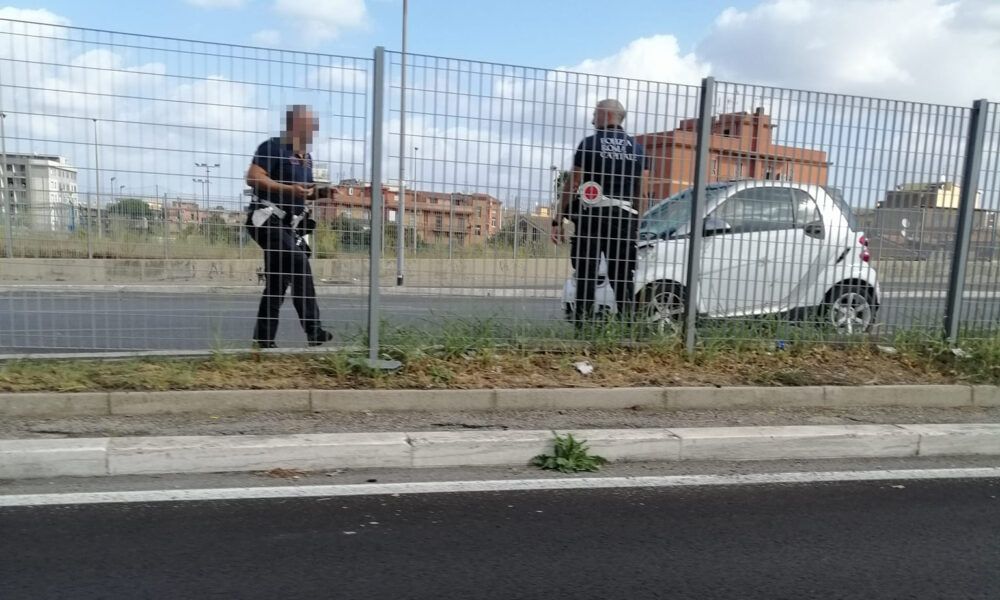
<point x="413" y="176"/>
<point x="113" y="180"/>
<point x="8" y="205"/>
<point x="208" y="176"/>
<point x="204" y="188"/>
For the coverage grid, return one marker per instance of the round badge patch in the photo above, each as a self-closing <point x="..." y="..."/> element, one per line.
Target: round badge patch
<point x="591" y="193"/>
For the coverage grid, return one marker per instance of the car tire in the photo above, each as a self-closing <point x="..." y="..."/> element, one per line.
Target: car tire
<point x="661" y="307"/>
<point x="849" y="310"/>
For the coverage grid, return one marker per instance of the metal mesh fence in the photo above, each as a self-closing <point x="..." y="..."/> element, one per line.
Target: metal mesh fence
<point x="125" y="199"/>
<point x="846" y="218"/>
<point x="488" y="149"/>
<point x="124" y="163"/>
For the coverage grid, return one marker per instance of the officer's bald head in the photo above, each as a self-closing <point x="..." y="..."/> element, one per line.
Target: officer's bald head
<point x="607" y="113"/>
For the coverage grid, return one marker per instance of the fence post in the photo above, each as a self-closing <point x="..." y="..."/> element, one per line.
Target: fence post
<point x="705" y="108"/>
<point x="376" y="238"/>
<point x="8" y="205"/>
<point x="966" y="206"/>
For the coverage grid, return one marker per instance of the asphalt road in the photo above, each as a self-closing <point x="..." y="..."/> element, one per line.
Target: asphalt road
<point x="910" y="539"/>
<point x="42" y="321"/>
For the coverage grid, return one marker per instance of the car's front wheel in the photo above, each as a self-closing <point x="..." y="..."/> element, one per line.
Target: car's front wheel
<point x="662" y="307"/>
<point x="849" y="309"/>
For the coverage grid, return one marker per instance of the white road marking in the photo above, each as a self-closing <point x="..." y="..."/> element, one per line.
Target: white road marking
<point x="443" y="487"/>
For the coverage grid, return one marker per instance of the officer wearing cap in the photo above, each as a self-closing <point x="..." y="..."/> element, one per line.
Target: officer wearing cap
<point x="605" y="214"/>
<point x="281" y="178"/>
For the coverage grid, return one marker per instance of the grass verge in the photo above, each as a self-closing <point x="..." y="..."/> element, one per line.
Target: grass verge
<point x="484" y="354"/>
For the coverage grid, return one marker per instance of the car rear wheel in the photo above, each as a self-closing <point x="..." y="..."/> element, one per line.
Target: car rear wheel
<point x="849" y="309"/>
<point x="662" y="307"/>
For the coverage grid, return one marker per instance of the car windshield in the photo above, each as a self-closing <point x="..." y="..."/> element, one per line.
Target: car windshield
<point x="665" y="218"/>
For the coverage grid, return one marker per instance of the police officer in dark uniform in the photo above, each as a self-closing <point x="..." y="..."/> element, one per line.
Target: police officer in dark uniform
<point x="281" y="178"/>
<point x="614" y="160"/>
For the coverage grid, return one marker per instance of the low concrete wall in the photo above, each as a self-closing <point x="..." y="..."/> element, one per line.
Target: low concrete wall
<point x="419" y="272"/>
<point x="459" y="272"/>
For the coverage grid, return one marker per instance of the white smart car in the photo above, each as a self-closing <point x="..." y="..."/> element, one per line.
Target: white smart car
<point x="769" y="247"/>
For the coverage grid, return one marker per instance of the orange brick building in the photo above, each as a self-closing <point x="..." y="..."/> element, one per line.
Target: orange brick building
<point x="740" y="148"/>
<point x="467" y="218"/>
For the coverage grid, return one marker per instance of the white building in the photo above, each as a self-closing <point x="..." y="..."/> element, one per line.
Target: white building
<point x="42" y="189"/>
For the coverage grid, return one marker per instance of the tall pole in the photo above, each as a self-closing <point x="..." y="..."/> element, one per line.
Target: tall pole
<point x="966" y="213"/>
<point x="451" y="224"/>
<point x="401" y="202"/>
<point x="8" y="205"/>
<point x="206" y="182"/>
<point x="704" y="136"/>
<point x="413" y="174"/>
<point x="113" y="179"/>
<point x="97" y="182"/>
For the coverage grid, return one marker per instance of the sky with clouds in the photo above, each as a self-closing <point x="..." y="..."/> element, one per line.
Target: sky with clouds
<point x="181" y="105"/>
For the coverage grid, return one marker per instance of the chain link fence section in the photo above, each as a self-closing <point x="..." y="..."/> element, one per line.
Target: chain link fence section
<point x="124" y="195"/>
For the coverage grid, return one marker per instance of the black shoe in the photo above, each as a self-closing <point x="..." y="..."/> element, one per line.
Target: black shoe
<point x="320" y="337"/>
<point x="258" y="345"/>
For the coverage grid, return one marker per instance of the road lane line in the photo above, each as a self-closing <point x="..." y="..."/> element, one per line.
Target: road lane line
<point x="443" y="487"/>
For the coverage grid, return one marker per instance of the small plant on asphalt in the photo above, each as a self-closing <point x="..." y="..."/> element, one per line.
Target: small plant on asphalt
<point x="571" y="456"/>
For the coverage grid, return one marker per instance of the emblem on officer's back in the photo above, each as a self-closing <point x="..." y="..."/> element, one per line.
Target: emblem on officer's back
<point x="590" y="193"/>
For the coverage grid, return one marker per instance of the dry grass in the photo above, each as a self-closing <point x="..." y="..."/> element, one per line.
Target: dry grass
<point x="489" y="368"/>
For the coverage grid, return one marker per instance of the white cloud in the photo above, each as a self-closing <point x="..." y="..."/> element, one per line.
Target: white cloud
<point x="924" y="50"/>
<point x="322" y="20"/>
<point x="655" y="58"/>
<point x="156" y="119"/>
<point x="212" y="4"/>
<point x="33" y="15"/>
<point x="266" y="37"/>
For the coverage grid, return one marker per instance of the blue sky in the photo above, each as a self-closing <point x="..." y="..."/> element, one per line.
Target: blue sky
<point x="545" y="34"/>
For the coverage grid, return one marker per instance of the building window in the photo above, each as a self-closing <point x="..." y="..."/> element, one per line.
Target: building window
<point x="739" y="168"/>
<point x="479" y="230"/>
<point x="715" y="166"/>
<point x="479" y="212"/>
<point x="438" y="222"/>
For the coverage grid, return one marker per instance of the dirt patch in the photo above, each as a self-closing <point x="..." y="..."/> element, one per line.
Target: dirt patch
<point x="814" y="365"/>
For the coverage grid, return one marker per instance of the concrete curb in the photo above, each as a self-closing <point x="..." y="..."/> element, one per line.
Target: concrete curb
<point x="312" y="452"/>
<point x="526" y="292"/>
<point x="221" y="402"/>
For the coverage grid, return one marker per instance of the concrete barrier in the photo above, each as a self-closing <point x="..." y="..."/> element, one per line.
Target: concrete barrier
<point x="466" y="272"/>
<point x="323" y="451"/>
<point x="222" y="402"/>
<point x="462" y="272"/>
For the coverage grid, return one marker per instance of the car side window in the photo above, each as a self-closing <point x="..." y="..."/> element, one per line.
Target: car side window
<point x="758" y="209"/>
<point x="806" y="211"/>
<point x="807" y="215"/>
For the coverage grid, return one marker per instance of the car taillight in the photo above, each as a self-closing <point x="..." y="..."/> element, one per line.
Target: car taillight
<point x="866" y="256"/>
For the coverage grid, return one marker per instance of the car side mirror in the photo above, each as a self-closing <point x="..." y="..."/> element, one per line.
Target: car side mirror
<point x="814" y="230"/>
<point x="716" y="227"/>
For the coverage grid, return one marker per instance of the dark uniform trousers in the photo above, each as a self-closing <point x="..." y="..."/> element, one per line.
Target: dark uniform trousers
<point x="614" y="232"/>
<point x="285" y="265"/>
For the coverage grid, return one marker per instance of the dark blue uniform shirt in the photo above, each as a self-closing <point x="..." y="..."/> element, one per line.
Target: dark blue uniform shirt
<point x="613" y="159"/>
<point x="283" y="166"/>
